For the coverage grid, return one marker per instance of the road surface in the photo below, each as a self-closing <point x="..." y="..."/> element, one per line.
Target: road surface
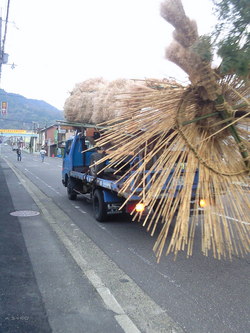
<point x="195" y="295"/>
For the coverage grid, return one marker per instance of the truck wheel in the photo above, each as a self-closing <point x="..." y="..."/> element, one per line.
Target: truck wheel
<point x="70" y="189"/>
<point x="95" y="168"/>
<point x="99" y="206"/>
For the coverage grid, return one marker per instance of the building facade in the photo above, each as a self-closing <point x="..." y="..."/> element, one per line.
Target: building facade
<point x="53" y="139"/>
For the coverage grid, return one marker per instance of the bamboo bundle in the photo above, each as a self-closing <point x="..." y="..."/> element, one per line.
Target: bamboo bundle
<point x="195" y="127"/>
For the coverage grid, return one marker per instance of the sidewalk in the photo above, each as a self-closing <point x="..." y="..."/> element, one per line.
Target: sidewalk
<point x="22" y="309"/>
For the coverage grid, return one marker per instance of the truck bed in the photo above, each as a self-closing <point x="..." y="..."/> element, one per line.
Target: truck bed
<point x="104" y="183"/>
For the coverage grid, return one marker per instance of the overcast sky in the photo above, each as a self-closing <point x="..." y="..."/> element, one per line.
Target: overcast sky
<point x="58" y="43"/>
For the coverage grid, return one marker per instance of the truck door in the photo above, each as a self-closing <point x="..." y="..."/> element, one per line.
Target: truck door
<point x="67" y="160"/>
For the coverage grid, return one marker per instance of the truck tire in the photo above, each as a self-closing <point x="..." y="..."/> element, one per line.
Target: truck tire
<point x="95" y="168"/>
<point x="99" y="206"/>
<point x="70" y="190"/>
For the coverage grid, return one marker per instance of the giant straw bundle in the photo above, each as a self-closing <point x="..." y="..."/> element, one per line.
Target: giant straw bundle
<point x="95" y="100"/>
<point x="203" y="127"/>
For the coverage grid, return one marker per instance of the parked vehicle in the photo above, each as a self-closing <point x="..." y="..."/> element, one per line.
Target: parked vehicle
<point x="82" y="176"/>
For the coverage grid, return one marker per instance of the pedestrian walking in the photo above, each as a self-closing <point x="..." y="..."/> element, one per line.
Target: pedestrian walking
<point x="42" y="153"/>
<point x="19" y="154"/>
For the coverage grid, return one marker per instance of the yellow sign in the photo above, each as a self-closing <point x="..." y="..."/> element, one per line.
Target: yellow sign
<point x="4" y="105"/>
<point x="14" y="131"/>
<point x="4" y="108"/>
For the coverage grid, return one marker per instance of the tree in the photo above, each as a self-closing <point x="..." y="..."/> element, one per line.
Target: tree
<point x="232" y="36"/>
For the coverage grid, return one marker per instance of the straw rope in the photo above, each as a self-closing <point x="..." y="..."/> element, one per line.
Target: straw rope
<point x="220" y="108"/>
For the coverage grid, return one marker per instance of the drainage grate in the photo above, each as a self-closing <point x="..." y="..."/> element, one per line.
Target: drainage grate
<point x="24" y="213"/>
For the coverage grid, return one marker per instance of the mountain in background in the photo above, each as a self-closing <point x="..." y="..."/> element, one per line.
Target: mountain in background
<point x="25" y="113"/>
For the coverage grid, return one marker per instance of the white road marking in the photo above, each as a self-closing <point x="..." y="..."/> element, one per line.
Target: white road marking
<point x="42" y="181"/>
<point x="146" y="261"/>
<point x="108" y="298"/>
<point x="149" y="263"/>
<point x="102" y="227"/>
<point x="79" y="208"/>
<point x="241" y="184"/>
<point x="126" y="323"/>
<point x="233" y="219"/>
<point x="104" y="292"/>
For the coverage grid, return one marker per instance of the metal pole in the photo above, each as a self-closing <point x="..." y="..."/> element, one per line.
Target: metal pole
<point x="1" y="50"/>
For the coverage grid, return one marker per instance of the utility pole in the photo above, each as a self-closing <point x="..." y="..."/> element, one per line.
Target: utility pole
<point x="1" y="52"/>
<point x="3" y="56"/>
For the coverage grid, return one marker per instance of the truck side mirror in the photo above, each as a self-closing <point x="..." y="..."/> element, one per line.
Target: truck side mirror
<point x="96" y="135"/>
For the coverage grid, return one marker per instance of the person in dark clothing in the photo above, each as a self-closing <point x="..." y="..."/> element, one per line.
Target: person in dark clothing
<point x="19" y="154"/>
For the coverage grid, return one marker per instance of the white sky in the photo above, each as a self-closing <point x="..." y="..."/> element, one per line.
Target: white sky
<point x="58" y="43"/>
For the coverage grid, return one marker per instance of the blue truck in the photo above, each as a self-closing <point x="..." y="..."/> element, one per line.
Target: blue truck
<point x="81" y="176"/>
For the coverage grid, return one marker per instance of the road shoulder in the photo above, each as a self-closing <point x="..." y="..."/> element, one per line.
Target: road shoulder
<point x="133" y="309"/>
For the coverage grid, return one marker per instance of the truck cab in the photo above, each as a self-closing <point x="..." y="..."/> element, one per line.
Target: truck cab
<point x="75" y="157"/>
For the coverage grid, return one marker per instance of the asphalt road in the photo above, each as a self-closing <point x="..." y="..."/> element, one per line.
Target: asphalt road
<point x="199" y="294"/>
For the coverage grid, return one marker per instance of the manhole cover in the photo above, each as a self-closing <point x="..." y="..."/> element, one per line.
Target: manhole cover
<point x="24" y="213"/>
